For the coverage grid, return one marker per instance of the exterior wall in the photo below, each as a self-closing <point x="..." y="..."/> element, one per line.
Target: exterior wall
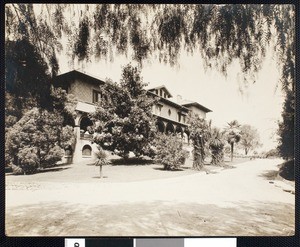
<point x="81" y="142"/>
<point x="164" y="112"/>
<point x="83" y="90"/>
<point x="78" y="156"/>
<point x="195" y="110"/>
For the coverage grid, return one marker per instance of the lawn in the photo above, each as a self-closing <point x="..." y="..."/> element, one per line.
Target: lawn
<point x="118" y="171"/>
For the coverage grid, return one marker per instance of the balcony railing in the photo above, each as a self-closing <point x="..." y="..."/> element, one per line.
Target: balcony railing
<point x="86" y="136"/>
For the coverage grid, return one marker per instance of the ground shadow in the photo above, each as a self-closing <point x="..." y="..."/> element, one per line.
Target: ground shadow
<point x="285" y="171"/>
<point x="131" y="161"/>
<point x="98" y="177"/>
<point x="151" y="219"/>
<point x="45" y="170"/>
<point x="172" y="170"/>
<point x="269" y="175"/>
<point x="56" y="169"/>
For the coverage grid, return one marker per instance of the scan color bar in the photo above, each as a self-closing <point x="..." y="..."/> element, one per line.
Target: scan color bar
<point x="150" y="242"/>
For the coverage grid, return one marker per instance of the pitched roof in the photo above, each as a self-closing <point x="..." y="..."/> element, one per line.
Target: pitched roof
<point x="161" y="87"/>
<point x="168" y="101"/>
<point x="187" y="103"/>
<point x="78" y="74"/>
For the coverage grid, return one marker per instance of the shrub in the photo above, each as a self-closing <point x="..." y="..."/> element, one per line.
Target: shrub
<point x="28" y="159"/>
<point x="53" y="156"/>
<point x="37" y="140"/>
<point x="169" y="152"/>
<point x="16" y="170"/>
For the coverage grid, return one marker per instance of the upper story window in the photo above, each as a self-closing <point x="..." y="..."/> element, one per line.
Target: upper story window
<point x="169" y="112"/>
<point x="179" y="116"/>
<point x="96" y="96"/>
<point x="158" y="109"/>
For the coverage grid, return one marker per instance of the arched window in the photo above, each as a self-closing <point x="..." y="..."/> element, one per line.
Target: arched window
<point x="160" y="126"/>
<point x="179" y="130"/>
<point x="86" y="150"/>
<point x="170" y="128"/>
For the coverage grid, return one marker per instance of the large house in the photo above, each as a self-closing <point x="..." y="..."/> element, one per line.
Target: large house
<point x="171" y="114"/>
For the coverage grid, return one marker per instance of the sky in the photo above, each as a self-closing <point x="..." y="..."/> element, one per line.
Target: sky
<point x="260" y="105"/>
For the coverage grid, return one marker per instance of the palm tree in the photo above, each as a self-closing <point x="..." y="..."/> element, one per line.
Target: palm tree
<point x="216" y="146"/>
<point x="101" y="160"/>
<point x="233" y="135"/>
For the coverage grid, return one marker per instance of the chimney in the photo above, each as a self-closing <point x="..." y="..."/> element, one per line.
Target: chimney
<point x="179" y="98"/>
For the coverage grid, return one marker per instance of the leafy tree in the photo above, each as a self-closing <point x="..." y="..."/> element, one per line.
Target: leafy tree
<point x="286" y="128"/>
<point x="26" y="74"/>
<point x="272" y="153"/>
<point x="216" y="146"/>
<point x="222" y="33"/>
<point x="169" y="151"/>
<point x="249" y="138"/>
<point x="124" y="118"/>
<point x="199" y="134"/>
<point x="233" y="135"/>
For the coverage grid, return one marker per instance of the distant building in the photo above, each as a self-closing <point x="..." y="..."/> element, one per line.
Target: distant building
<point x="171" y="114"/>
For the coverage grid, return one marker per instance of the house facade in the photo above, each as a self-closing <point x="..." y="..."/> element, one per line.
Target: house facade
<point x="171" y="114"/>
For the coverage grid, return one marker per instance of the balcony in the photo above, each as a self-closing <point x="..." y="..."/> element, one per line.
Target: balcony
<point x="86" y="136"/>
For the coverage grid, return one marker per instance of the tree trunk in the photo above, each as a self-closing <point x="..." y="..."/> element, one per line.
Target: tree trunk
<point x="231" y="144"/>
<point x="198" y="161"/>
<point x="100" y="171"/>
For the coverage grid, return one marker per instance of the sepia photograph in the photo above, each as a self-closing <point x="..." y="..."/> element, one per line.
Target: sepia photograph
<point x="149" y="120"/>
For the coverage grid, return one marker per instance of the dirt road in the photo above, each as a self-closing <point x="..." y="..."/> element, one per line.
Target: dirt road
<point x="238" y="201"/>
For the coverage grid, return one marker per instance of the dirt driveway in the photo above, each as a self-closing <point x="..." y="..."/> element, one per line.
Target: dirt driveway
<point x="238" y="201"/>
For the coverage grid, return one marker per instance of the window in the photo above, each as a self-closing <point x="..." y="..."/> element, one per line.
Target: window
<point x="86" y="150"/>
<point x="160" y="92"/>
<point x="169" y="112"/>
<point x="179" y="117"/>
<point x="96" y="96"/>
<point x="158" y="109"/>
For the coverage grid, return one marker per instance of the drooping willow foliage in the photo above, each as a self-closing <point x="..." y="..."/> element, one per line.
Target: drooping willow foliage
<point x="221" y="34"/>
